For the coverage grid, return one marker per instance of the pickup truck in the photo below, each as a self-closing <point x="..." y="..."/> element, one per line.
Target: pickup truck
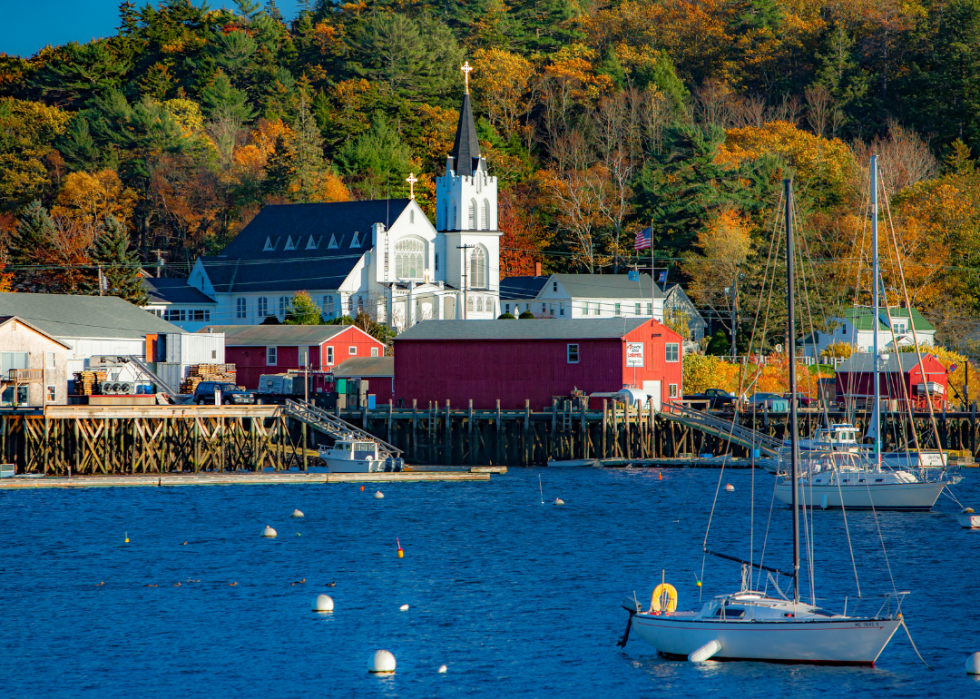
<point x="716" y="398"/>
<point x="230" y="394"/>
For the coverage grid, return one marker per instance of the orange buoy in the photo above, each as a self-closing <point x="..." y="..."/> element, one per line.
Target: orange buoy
<point x="362" y="488"/>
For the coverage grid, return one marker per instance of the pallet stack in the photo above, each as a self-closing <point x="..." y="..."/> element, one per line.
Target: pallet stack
<point x="89" y="383"/>
<point x="207" y="372"/>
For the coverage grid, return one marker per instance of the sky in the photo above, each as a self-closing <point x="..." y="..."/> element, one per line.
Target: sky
<point x="28" y="25"/>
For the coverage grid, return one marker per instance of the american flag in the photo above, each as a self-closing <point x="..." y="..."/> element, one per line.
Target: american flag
<point x="643" y="239"/>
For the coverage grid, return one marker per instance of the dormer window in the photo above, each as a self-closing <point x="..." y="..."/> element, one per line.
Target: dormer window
<point x="356" y="241"/>
<point x="270" y="244"/>
<point x="313" y="244"/>
<point x="290" y="245"/>
<point x="333" y="244"/>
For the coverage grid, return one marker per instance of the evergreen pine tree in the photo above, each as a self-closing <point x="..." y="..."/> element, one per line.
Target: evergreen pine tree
<point x="28" y="245"/>
<point x="120" y="266"/>
<point x="307" y="162"/>
<point x="220" y="99"/>
<point x="278" y="170"/>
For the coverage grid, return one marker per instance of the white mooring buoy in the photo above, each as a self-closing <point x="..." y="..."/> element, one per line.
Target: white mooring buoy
<point x="559" y="501"/>
<point x="443" y="669"/>
<point x="403" y="608"/>
<point x="269" y="533"/>
<point x="381" y="663"/>
<point x="298" y="514"/>
<point x="323" y="603"/>
<point x="823" y="501"/>
<point x="730" y="488"/>
<point x="973" y="664"/>
<point x="378" y="495"/>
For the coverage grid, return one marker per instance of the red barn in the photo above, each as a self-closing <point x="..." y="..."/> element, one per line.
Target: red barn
<point x="855" y="380"/>
<point x="514" y="360"/>
<point x="275" y="349"/>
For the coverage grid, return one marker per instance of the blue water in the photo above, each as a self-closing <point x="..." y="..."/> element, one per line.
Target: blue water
<point x="519" y="599"/>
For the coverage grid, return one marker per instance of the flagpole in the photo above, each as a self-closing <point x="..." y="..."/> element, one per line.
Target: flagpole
<point x="653" y="274"/>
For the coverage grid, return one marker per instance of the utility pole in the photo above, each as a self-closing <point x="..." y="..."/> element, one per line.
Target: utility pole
<point x="465" y="248"/>
<point x="101" y="282"/>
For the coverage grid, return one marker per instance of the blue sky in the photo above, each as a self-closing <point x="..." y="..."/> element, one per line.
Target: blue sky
<point x="28" y="25"/>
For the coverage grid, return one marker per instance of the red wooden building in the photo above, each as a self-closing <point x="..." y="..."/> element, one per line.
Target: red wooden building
<point x="928" y="381"/>
<point x="379" y="372"/>
<point x="536" y="360"/>
<point x="275" y="349"/>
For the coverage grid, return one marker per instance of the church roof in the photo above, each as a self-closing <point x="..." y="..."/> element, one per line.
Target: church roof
<point x="296" y="247"/>
<point x="466" y="147"/>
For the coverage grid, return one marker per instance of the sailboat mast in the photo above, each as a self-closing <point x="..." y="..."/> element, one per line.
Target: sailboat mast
<point x="874" y="303"/>
<point x="791" y="345"/>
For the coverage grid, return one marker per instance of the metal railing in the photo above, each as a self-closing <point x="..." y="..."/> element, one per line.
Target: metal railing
<point x="151" y="375"/>
<point x="24" y="376"/>
<point x="709" y="423"/>
<point x="333" y="426"/>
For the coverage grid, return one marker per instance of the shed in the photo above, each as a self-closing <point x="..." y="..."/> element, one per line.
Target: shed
<point x="33" y="365"/>
<point x="535" y="360"/>
<point x="276" y="349"/>
<point x="855" y="379"/>
<point x="379" y="372"/>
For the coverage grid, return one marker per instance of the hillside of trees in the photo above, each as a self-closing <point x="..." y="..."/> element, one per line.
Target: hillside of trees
<point x="163" y="141"/>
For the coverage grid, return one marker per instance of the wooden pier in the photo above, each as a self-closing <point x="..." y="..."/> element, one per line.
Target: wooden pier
<point x="85" y="440"/>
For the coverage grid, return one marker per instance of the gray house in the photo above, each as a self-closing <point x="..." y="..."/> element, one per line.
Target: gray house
<point x="677" y="302"/>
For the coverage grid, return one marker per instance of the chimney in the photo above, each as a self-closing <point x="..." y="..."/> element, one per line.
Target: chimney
<point x="537" y="269"/>
<point x="903" y="304"/>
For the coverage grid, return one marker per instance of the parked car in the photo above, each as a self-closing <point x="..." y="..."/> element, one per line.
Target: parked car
<point x="767" y="401"/>
<point x="718" y="399"/>
<point x="230" y="394"/>
<point x="802" y="401"/>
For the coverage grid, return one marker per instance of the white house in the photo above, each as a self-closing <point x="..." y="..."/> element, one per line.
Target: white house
<point x="583" y="296"/>
<point x="858" y="325"/>
<point x="178" y="302"/>
<point x="383" y="257"/>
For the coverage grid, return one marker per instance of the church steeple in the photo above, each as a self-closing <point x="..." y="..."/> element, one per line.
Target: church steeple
<point x="466" y="148"/>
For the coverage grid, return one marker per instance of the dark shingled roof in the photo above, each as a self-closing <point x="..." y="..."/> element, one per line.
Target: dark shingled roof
<point x="528" y="329"/>
<point x="466" y="147"/>
<point x="521" y="287"/>
<point x="174" y="291"/>
<point x="246" y="265"/>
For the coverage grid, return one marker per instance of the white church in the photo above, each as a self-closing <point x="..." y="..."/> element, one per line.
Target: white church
<point x="383" y="257"/>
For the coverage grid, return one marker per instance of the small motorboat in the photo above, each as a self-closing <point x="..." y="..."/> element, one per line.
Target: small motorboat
<point x="573" y="463"/>
<point x="968" y="519"/>
<point x="353" y="455"/>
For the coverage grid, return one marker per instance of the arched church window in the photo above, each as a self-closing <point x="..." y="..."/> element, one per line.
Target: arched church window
<point x="479" y="303"/>
<point x="441" y="217"/>
<point x="472" y="218"/>
<point x="485" y="222"/>
<point x="478" y="267"/>
<point x="469" y="303"/>
<point x="409" y="258"/>
<point x="451" y="226"/>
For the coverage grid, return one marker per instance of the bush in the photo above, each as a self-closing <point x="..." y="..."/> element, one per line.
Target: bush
<point x="506" y="316"/>
<point x="526" y="314"/>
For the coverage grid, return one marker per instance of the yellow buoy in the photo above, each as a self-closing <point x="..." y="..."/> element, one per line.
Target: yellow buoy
<point x="126" y="540"/>
<point x="664" y="598"/>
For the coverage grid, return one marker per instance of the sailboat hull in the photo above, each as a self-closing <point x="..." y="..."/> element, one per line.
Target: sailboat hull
<point x="828" y="642"/>
<point x="907" y="497"/>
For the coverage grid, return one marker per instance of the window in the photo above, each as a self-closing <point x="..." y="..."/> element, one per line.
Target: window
<point x="328" y="306"/>
<point x="352" y="350"/>
<point x="561" y="309"/>
<point x="478" y="268"/>
<point x="52" y="394"/>
<point x="202" y="314"/>
<point x="411" y="216"/>
<point x="619" y="309"/>
<point x="374" y="351"/>
<point x="471" y="221"/>
<point x="263" y="307"/>
<point x="441" y="216"/>
<point x="844" y="329"/>
<point x="452" y="225"/>
<point x="544" y="308"/>
<point x="573" y="354"/>
<point x="587" y="308"/>
<point x="554" y="286"/>
<point x="283" y="305"/>
<point x="506" y="308"/>
<point x="672" y="390"/>
<point x="650" y="309"/>
<point x="270" y="356"/>
<point x="437" y="262"/>
<point x="241" y="308"/>
<point x="329" y="356"/>
<point x="637" y="311"/>
<point x="485" y="222"/>
<point x="409" y="258"/>
<point x="290" y="245"/>
<point x="469" y="303"/>
<point x="51" y="360"/>
<point x="479" y="303"/>
<point x="673" y="351"/>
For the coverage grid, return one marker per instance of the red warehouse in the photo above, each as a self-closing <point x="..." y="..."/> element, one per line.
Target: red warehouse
<point x="275" y="349"/>
<point x="515" y="360"/>
<point x="855" y="380"/>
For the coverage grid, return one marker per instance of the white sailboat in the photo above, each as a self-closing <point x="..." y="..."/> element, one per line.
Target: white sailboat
<point x="749" y="624"/>
<point x="841" y="473"/>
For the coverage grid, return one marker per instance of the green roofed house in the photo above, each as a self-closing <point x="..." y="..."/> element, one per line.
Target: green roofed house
<point x="858" y="325"/>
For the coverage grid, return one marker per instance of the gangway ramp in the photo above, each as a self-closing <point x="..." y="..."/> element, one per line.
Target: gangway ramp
<point x="709" y="424"/>
<point x="332" y="426"/>
<point x="152" y="376"/>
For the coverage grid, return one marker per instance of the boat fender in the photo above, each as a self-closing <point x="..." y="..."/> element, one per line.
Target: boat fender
<point x="663" y="599"/>
<point x="705" y="652"/>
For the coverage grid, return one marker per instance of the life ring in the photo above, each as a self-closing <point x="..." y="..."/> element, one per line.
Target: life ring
<point x="663" y="599"/>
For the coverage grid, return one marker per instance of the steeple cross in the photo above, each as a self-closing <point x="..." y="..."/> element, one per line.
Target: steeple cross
<point x="411" y="179"/>
<point x="466" y="68"/>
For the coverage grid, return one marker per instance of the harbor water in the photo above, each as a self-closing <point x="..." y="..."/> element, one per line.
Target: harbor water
<point x="517" y="598"/>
